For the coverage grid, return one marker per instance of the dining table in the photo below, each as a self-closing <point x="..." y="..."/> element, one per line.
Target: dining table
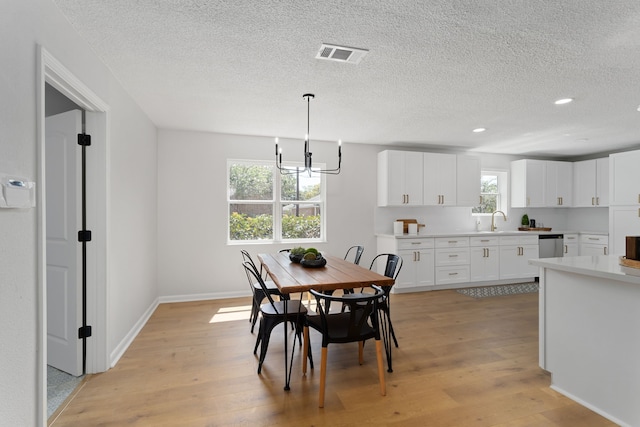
<point x="292" y="277"/>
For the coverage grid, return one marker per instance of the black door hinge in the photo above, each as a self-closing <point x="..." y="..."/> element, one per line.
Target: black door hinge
<point x="84" y="332"/>
<point x="84" y="139"/>
<point x="84" y="236"/>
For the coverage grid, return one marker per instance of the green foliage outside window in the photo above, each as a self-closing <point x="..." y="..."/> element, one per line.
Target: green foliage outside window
<point x="489" y="195"/>
<point x="244" y="227"/>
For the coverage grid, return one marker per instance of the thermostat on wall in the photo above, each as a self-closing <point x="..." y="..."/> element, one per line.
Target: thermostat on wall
<point x="17" y="192"/>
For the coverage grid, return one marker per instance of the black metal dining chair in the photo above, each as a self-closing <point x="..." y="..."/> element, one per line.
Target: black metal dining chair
<point x="273" y="313"/>
<point x="259" y="294"/>
<point x="357" y="251"/>
<point x="393" y="265"/>
<point x="357" y="324"/>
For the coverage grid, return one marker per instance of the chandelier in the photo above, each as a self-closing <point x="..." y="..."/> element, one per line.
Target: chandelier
<point x="308" y="163"/>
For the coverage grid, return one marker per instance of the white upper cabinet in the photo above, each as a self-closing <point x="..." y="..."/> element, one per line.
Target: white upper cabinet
<point x="527" y="183"/>
<point x="439" y="185"/>
<point x="400" y="178"/>
<point x="467" y="180"/>
<point x="591" y="183"/>
<point x="558" y="184"/>
<point x="625" y="178"/>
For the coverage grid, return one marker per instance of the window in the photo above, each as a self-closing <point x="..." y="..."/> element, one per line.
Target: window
<point x="493" y="193"/>
<point x="267" y="206"/>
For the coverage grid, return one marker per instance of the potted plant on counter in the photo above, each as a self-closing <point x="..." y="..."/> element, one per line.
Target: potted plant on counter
<point x="525" y="221"/>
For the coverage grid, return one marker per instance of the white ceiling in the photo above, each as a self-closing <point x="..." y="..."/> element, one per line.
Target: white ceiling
<point x="435" y="69"/>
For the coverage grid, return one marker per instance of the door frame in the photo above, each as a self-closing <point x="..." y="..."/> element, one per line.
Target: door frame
<point x="51" y="71"/>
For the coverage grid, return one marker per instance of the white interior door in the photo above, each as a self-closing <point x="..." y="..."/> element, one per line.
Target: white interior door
<point x="64" y="349"/>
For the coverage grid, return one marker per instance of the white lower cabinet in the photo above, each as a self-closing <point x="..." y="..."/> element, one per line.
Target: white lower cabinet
<point x="417" y="272"/>
<point x="452" y="260"/>
<point x="571" y="245"/>
<point x="484" y="258"/>
<point x="594" y="244"/>
<point x="515" y="253"/>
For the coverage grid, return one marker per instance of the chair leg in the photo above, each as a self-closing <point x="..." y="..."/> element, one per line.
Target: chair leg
<point x="383" y="385"/>
<point x="361" y="352"/>
<point x="323" y="375"/>
<point x="305" y="350"/>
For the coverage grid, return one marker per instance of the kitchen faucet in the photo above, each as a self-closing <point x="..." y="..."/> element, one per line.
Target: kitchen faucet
<point x="493" y="219"/>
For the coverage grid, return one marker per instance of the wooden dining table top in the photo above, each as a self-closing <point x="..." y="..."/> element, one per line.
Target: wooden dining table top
<point x="291" y="277"/>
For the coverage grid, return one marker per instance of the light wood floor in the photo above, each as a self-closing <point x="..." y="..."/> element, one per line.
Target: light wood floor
<point x="461" y="362"/>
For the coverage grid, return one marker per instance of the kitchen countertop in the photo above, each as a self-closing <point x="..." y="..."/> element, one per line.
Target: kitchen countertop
<point x="603" y="266"/>
<point x="487" y="233"/>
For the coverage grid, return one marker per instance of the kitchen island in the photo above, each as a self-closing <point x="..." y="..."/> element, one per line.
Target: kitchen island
<point x="590" y="333"/>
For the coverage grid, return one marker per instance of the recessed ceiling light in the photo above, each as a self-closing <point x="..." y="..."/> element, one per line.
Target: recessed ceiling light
<point x="478" y="130"/>
<point x="563" y="101"/>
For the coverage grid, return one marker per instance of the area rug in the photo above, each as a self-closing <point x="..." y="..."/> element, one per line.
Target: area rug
<point x="59" y="386"/>
<point x="499" y="290"/>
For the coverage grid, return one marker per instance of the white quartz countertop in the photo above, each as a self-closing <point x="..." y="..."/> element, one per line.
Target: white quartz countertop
<point x="475" y="233"/>
<point x="604" y="266"/>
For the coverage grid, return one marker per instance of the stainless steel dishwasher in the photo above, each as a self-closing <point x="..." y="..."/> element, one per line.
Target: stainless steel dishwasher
<point x="551" y="245"/>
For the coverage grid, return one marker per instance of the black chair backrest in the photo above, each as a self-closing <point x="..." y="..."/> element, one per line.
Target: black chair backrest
<point x="358" y="253"/>
<point x="392" y="267"/>
<point x="254" y="277"/>
<point x="360" y="309"/>
<point x="247" y="258"/>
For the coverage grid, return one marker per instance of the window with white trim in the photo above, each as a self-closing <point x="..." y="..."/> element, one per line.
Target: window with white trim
<point x="266" y="206"/>
<point x="493" y="193"/>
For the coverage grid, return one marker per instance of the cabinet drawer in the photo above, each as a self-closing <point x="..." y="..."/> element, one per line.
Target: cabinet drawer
<point x="452" y="257"/>
<point x="597" y="239"/>
<point x="519" y="240"/>
<point x="570" y="238"/>
<point x="411" y="244"/>
<point x="453" y="274"/>
<point x="452" y="242"/>
<point x="484" y="241"/>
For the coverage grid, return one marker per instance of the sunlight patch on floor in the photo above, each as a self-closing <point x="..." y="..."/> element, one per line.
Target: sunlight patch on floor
<point x="229" y="314"/>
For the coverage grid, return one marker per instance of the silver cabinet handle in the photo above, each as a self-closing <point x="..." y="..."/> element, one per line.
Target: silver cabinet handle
<point x="598" y="201"/>
<point x="605" y="251"/>
<point x="593" y="201"/>
<point x="453" y="274"/>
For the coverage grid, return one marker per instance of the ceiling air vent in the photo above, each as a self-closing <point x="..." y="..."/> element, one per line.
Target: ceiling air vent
<point x="334" y="52"/>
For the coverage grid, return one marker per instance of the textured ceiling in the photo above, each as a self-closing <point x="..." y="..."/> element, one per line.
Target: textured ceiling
<point x="435" y="69"/>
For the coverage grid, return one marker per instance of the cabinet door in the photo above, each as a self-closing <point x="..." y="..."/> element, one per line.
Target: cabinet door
<point x="526" y="269"/>
<point x="425" y="268"/>
<point x="417" y="269"/>
<point x="570" y="249"/>
<point x="559" y="184"/>
<point x="527" y="183"/>
<point x="590" y="249"/>
<point x="602" y="182"/>
<point x="407" y="276"/>
<point x="571" y="246"/>
<point x="399" y="178"/>
<point x="509" y="263"/>
<point x="625" y="178"/>
<point x="584" y="183"/>
<point x="439" y="184"/>
<point x="484" y="264"/>
<point x="467" y="180"/>
<point x="623" y="221"/>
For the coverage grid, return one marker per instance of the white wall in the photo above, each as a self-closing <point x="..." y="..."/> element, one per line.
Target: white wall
<point x="194" y="257"/>
<point x="132" y="216"/>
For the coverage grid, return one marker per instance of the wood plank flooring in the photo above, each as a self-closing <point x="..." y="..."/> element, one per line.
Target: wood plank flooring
<point x="461" y="362"/>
